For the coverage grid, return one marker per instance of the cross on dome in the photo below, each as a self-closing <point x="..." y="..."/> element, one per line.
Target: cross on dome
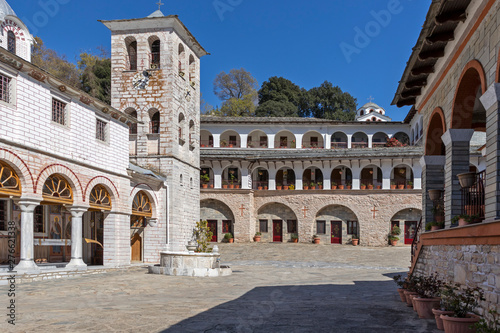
<point x="159" y="3"/>
<point x="371" y="99"/>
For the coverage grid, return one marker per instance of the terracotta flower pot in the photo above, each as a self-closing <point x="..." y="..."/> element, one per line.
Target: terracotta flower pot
<point x="237" y="186"/>
<point x="409" y="187"/>
<point x="401" y="292"/>
<point x="437" y="314"/>
<point x="260" y="188"/>
<point x="424" y="306"/>
<point x="306" y="187"/>
<point x="459" y="325"/>
<point x="320" y="187"/>
<point x="334" y="187"/>
<point x="401" y="187"/>
<point x="265" y="188"/>
<point x="408" y="298"/>
<point x="379" y="187"/>
<point x="295" y="240"/>
<point x="256" y="238"/>
<point x="317" y="240"/>
<point x="204" y="185"/>
<point x="393" y="187"/>
<point x="211" y="185"/>
<point x="278" y="188"/>
<point x="285" y="188"/>
<point x="231" y="186"/>
<point x="347" y="187"/>
<point x="341" y="187"/>
<point x="224" y="186"/>
<point x="355" y="242"/>
<point x="462" y="222"/>
<point x="363" y="187"/>
<point x="231" y="240"/>
<point x="370" y="187"/>
<point x="394" y="242"/>
<point x="435" y="227"/>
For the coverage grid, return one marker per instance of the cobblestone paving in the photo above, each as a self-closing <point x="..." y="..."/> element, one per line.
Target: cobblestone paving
<point x="274" y="288"/>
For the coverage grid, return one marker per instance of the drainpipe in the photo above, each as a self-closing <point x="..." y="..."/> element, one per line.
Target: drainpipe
<point x="168" y="215"/>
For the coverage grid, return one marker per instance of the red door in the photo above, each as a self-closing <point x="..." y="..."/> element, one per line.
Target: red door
<point x="212" y="225"/>
<point x="410" y="228"/>
<point x="336" y="232"/>
<point x="277" y="231"/>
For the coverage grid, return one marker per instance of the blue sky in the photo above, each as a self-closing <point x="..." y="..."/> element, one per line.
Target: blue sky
<point x="360" y="45"/>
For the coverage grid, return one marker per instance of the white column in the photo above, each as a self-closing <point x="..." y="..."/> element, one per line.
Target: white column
<point x="299" y="178"/>
<point x="328" y="142"/>
<point x="370" y="141"/>
<point x="349" y="144"/>
<point x="270" y="140"/>
<point x="244" y="138"/>
<point x="216" y="140"/>
<point x="327" y="181"/>
<point x="245" y="179"/>
<point x="27" y="262"/>
<point x="299" y="138"/>
<point x="272" y="179"/>
<point x="77" y="238"/>
<point x="217" y="177"/>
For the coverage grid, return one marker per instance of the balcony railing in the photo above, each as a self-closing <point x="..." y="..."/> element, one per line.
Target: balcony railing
<point x="401" y="184"/>
<point x="207" y="144"/>
<point x="260" y="185"/>
<point x="339" y="145"/>
<point x="369" y="183"/>
<point x="473" y="198"/>
<point x="357" y="145"/>
<point x="312" y="144"/>
<point x="378" y="144"/>
<point x="257" y="144"/>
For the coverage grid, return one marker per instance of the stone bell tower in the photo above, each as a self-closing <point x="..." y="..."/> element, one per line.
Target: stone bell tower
<point x="156" y="78"/>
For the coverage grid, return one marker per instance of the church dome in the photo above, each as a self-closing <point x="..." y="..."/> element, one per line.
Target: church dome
<point x="5" y="9"/>
<point x="370" y="105"/>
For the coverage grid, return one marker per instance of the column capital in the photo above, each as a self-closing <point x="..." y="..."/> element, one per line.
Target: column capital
<point x="27" y="204"/>
<point x="77" y="211"/>
<point x="457" y="135"/>
<point x="491" y="96"/>
<point x="432" y="160"/>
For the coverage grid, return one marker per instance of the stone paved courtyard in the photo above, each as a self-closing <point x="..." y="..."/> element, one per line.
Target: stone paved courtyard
<point x="274" y="288"/>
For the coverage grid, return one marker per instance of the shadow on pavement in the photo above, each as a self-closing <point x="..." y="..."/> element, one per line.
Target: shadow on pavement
<point x="365" y="306"/>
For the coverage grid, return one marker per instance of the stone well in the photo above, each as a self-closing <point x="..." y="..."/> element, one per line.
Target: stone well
<point x="190" y="264"/>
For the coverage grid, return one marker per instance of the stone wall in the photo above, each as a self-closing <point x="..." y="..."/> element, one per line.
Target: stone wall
<point x="468" y="265"/>
<point x="307" y="207"/>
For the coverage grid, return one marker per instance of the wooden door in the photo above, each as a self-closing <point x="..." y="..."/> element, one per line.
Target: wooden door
<point x="410" y="229"/>
<point x="136" y="245"/>
<point x="212" y="225"/>
<point x="277" y="231"/>
<point x="336" y="232"/>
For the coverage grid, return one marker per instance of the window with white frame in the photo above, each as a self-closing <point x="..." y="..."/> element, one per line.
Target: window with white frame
<point x="59" y="111"/>
<point x="101" y="130"/>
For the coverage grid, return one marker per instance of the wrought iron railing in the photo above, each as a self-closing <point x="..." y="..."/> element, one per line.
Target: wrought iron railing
<point x="416" y="239"/>
<point x="473" y="197"/>
<point x="370" y="182"/>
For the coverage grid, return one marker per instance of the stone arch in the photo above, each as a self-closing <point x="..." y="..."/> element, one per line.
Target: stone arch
<point x="133" y="113"/>
<point x="379" y="139"/>
<point x="402" y="137"/>
<point x="226" y="140"/>
<point x="307" y="140"/>
<point x="108" y="184"/>
<point x="260" y="177"/>
<point x="182" y="55"/>
<point x="371" y="174"/>
<point x="331" y="215"/>
<point x="68" y="174"/>
<point x="281" y="202"/>
<point x="289" y="142"/>
<point x="437" y="127"/>
<point x="468" y="111"/>
<point x="341" y="176"/>
<point x="214" y="209"/>
<point x="339" y="140"/>
<point x="21" y="168"/>
<point x="279" y="211"/>
<point x="154" y="121"/>
<point x="400" y="177"/>
<point x="258" y="143"/>
<point x="410" y="215"/>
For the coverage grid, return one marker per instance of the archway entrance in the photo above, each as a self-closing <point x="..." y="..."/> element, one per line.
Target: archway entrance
<point x="219" y="216"/>
<point x="336" y="224"/>
<point x="141" y="210"/>
<point x="277" y="223"/>
<point x="93" y="230"/>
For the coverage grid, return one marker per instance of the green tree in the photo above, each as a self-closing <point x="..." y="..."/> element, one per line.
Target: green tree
<point x="329" y="102"/>
<point x="96" y="75"/>
<point x="279" y="97"/>
<point x="57" y="65"/>
<point x="238" y="92"/>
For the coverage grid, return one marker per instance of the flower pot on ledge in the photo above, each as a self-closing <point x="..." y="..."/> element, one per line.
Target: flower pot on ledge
<point x="467" y="179"/>
<point x="459" y="325"/>
<point x="341" y="187"/>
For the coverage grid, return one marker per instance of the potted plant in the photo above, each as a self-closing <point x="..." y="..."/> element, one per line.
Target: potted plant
<point x="438" y="211"/>
<point x="370" y="186"/>
<point x="278" y="186"/>
<point x="205" y="178"/>
<point x="409" y="186"/>
<point x="393" y="185"/>
<point x="435" y="194"/>
<point x="320" y="185"/>
<point x="348" y="186"/>
<point x="229" y="237"/>
<point x="402" y="287"/>
<point x="429" y="290"/>
<point x="295" y="238"/>
<point x="334" y="185"/>
<point x="316" y="239"/>
<point x="355" y="239"/>
<point x="393" y="239"/>
<point x="433" y="226"/>
<point x="411" y="289"/>
<point x="462" y="303"/>
<point x="362" y="186"/>
<point x="396" y="231"/>
<point x="467" y="179"/>
<point x="224" y="184"/>
<point x="257" y="237"/>
<point x="401" y="186"/>
<point x="446" y="292"/>
<point x="286" y="187"/>
<point x="379" y="187"/>
<point x="461" y="220"/>
<point x="313" y="185"/>
<point x="223" y="143"/>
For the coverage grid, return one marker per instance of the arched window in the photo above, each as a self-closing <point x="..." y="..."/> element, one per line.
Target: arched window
<point x="155" y="54"/>
<point x="9" y="181"/>
<point x="182" y="54"/>
<point x="180" y="179"/>
<point x="57" y="189"/>
<point x="133" y="127"/>
<point x="181" y="128"/>
<point x="362" y="113"/>
<point x="155" y="123"/>
<point x="141" y="206"/>
<point x="11" y="42"/>
<point x="192" y="70"/>
<point x="191" y="133"/>
<point x="100" y="198"/>
<point x="374" y="119"/>
<point x="132" y="55"/>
